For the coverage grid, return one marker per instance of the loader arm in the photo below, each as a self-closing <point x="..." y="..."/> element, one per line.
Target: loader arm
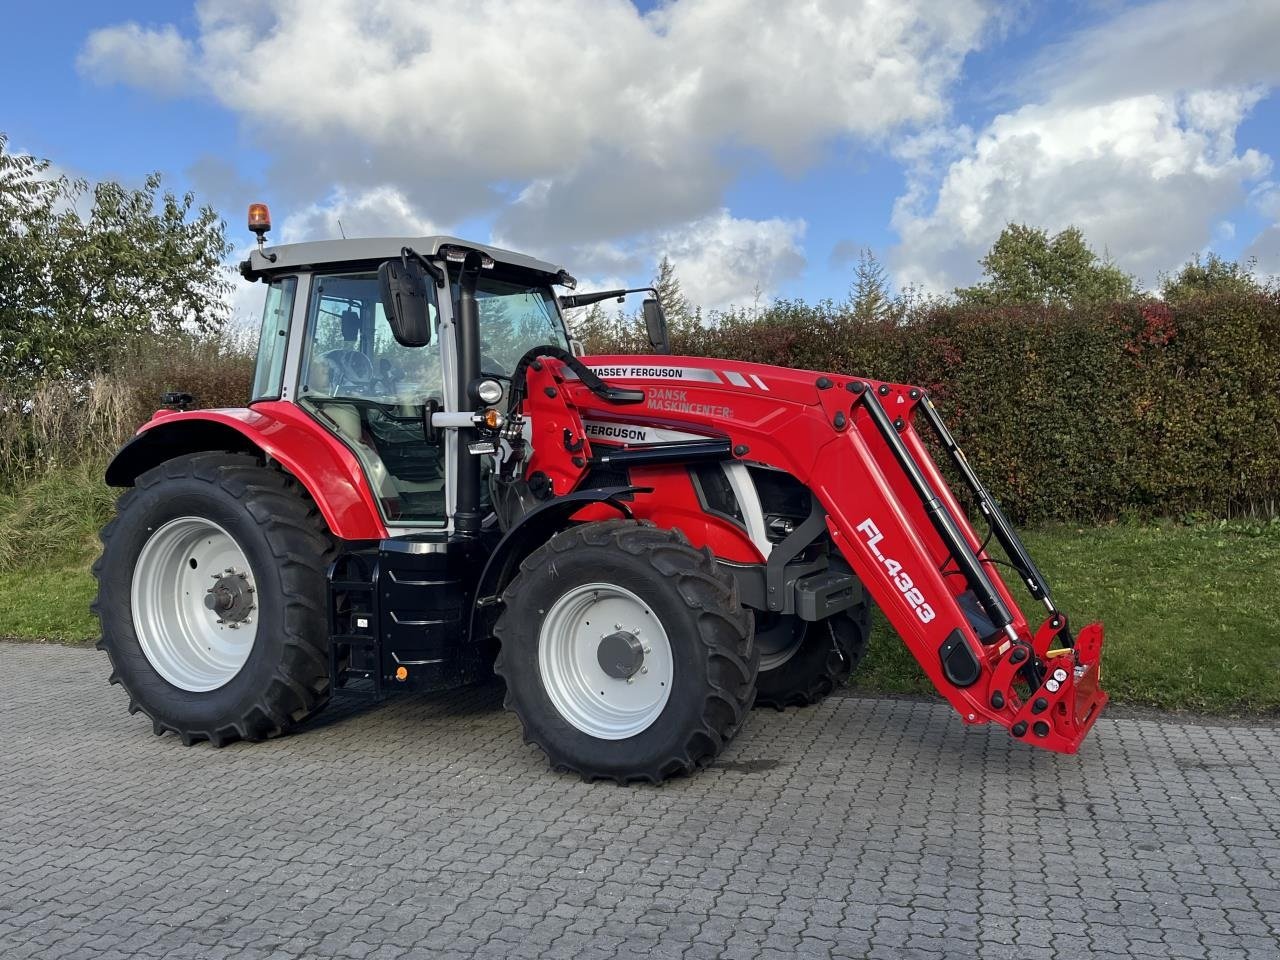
<point x="856" y="445"/>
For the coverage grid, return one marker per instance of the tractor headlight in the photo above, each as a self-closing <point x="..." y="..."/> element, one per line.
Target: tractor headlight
<point x="487" y="391"/>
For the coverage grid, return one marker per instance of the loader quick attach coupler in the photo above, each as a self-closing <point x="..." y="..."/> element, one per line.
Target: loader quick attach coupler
<point x="1050" y="695"/>
<point x="1043" y="686"/>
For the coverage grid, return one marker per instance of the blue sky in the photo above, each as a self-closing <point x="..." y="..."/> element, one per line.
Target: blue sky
<point x="759" y="145"/>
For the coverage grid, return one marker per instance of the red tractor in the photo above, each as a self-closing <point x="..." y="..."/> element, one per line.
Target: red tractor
<point x="430" y="485"/>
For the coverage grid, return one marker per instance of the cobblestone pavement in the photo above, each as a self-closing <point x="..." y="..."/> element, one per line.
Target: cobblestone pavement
<point x="425" y="827"/>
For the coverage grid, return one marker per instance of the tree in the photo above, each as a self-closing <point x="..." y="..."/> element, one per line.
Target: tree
<point x="681" y="315"/>
<point x="1027" y="266"/>
<point x="76" y="290"/>
<point x="1211" y="275"/>
<point x="591" y="327"/>
<point x="869" y="298"/>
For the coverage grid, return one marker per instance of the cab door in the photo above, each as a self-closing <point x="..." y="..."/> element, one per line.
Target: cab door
<point x="372" y="392"/>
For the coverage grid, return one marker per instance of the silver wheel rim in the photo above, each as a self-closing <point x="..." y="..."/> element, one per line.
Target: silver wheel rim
<point x="588" y="698"/>
<point x="193" y="647"/>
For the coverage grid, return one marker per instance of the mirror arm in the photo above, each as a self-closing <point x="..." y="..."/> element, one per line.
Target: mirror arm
<point x="432" y="268"/>
<point x="586" y="299"/>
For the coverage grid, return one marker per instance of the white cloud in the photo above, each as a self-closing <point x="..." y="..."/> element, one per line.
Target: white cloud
<point x="1132" y="138"/>
<point x="155" y="60"/>
<point x="577" y="122"/>
<point x="376" y="212"/>
<point x="1165" y="47"/>
<point x="722" y="260"/>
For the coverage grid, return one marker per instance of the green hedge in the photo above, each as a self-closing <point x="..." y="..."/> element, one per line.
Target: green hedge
<point x="1134" y="409"/>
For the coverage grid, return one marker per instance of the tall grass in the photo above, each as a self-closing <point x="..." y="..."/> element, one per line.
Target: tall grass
<point x="52" y="521"/>
<point x="64" y="423"/>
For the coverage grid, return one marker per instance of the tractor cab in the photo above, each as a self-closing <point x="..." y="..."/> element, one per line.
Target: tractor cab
<point x="328" y="346"/>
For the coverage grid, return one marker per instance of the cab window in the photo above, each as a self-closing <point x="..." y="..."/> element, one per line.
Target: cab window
<point x="364" y="386"/>
<point x="514" y="317"/>
<point x="273" y="338"/>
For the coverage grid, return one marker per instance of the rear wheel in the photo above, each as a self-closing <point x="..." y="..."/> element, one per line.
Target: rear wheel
<point x="211" y="591"/>
<point x="803" y="662"/>
<point x="625" y="652"/>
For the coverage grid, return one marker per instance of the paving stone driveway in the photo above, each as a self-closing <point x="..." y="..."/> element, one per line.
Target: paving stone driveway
<point x="425" y="827"/>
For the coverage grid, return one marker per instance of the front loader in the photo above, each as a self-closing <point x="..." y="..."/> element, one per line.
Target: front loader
<point x="430" y="485"/>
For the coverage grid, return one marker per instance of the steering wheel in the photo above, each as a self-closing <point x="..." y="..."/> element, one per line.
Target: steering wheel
<point x="348" y="368"/>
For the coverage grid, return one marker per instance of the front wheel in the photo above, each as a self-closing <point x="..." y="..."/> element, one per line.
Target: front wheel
<point x="801" y="663"/>
<point x="626" y="653"/>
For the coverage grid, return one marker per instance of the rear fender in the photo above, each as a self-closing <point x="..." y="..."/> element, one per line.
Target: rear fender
<point x="328" y="471"/>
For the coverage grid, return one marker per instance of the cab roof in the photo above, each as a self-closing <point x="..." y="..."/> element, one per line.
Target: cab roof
<point x="321" y="254"/>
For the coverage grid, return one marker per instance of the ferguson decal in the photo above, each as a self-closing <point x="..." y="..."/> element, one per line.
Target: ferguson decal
<point x="609" y="431"/>
<point x="629" y="433"/>
<point x="872" y="535"/>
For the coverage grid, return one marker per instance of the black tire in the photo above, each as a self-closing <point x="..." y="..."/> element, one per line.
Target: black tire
<point x="829" y="651"/>
<point x="285" y="679"/>
<point x="710" y="633"/>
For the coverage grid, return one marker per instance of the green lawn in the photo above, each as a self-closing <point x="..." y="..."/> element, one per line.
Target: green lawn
<point x="49" y="604"/>
<point x="1192" y="613"/>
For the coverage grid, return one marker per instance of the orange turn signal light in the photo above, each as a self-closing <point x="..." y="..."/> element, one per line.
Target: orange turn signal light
<point x="259" y="218"/>
<point x="492" y="419"/>
<point x="402" y="673"/>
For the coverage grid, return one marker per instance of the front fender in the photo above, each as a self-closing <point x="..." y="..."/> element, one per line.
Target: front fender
<point x="530" y="532"/>
<point x="328" y="471"/>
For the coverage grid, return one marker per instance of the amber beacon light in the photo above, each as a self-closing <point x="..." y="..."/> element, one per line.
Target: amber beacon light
<point x="259" y="220"/>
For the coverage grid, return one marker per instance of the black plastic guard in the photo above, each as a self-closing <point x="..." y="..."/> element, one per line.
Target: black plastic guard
<point x="959" y="665"/>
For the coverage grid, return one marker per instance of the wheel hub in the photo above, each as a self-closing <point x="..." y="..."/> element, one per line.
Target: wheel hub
<point x="230" y="597"/>
<point x="621" y="655"/>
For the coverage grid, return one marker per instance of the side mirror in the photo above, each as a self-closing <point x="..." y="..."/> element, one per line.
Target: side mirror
<point x="405" y="290"/>
<point x="655" y="324"/>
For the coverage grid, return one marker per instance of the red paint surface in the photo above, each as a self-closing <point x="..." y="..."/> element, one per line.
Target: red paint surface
<point x="329" y="471"/>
